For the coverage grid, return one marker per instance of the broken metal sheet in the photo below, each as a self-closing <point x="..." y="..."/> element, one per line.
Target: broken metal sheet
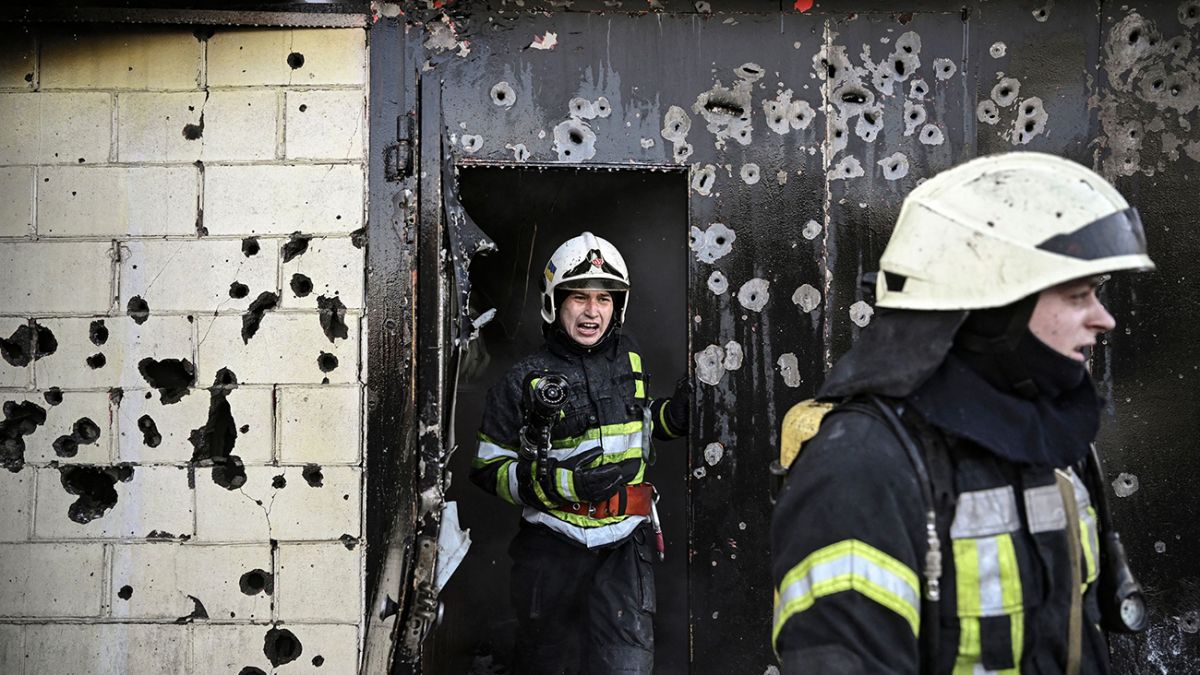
<point x="466" y="241"/>
<point x="453" y="543"/>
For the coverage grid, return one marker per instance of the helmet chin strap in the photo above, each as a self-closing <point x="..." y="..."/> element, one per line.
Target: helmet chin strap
<point x="989" y="337"/>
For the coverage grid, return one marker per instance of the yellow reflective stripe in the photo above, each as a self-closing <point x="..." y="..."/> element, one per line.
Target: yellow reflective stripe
<point x="1010" y="575"/>
<point x="595" y="433"/>
<point x="639" y="389"/>
<point x="662" y="420"/>
<point x="541" y="494"/>
<point x="966" y="571"/>
<point x="565" y="480"/>
<point x="849" y="565"/>
<point x="640" y="475"/>
<point x="585" y="521"/>
<point x="987" y="583"/>
<point x="635" y="362"/>
<point x="1090" y="540"/>
<point x="502" y="487"/>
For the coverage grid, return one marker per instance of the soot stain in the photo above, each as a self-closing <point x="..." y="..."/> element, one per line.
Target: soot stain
<point x="45" y="343"/>
<point x="20" y="420"/>
<point x="295" y="60"/>
<point x="348" y="541"/>
<point x="250" y="246"/>
<point x="333" y="317"/>
<point x="313" y="476"/>
<point x="359" y="237"/>
<point x="126" y="592"/>
<point x="96" y="361"/>
<point x="281" y="646"/>
<point x="327" y="362"/>
<point x="296" y="245"/>
<point x="251" y="670"/>
<point x="213" y="443"/>
<point x="279" y="482"/>
<point x="96" y="488"/>
<point x="238" y="290"/>
<point x="149" y="429"/>
<point x="17" y="349"/>
<point x="171" y="377"/>
<point x="53" y="396"/>
<point x="138" y="309"/>
<point x="254" y="314"/>
<point x="301" y="285"/>
<point x="257" y="581"/>
<point x="65" y="446"/>
<point x="98" y="332"/>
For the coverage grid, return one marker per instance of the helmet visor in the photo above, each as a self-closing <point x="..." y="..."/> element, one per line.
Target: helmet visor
<point x="1117" y="234"/>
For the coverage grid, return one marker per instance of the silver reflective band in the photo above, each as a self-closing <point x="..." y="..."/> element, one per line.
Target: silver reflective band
<point x="1044" y="509"/>
<point x="985" y="512"/>
<point x="850" y="565"/>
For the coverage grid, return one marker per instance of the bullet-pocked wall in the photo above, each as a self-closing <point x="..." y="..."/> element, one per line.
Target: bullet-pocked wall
<point x="802" y="127"/>
<point x="181" y="305"/>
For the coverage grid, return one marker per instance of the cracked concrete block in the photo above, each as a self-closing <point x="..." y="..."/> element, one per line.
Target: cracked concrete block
<point x="77" y="431"/>
<point x="155" y="580"/>
<point x="50" y="580"/>
<point x="288" y="348"/>
<point x="323" y="649"/>
<point x="155" y="498"/>
<point x="320" y="425"/>
<point x="203" y="276"/>
<point x="141" y="58"/>
<point x="16" y="503"/>
<point x="80" y="363"/>
<point x="319" y="582"/>
<point x="298" y="511"/>
<point x="332" y="266"/>
<point x="12" y="649"/>
<point x="18" y="61"/>
<point x="25" y="268"/>
<point x="55" y="128"/>
<point x="190" y="126"/>
<point x="75" y="201"/>
<point x="149" y="431"/>
<point x="16" y="202"/>
<point x="11" y="376"/>
<point x="240" y="200"/>
<point x="258" y="57"/>
<point x="107" y="649"/>
<point x="325" y="124"/>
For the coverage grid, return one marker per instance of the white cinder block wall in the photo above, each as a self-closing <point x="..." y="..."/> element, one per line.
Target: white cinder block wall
<point x="151" y="182"/>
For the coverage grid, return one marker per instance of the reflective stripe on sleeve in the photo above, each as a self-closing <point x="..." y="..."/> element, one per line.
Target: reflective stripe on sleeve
<point x="490" y="450"/>
<point x="639" y="385"/>
<point x="849" y="565"/>
<point x="1044" y="509"/>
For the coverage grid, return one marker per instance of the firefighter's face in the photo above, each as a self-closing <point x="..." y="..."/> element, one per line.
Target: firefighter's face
<point x="1069" y="316"/>
<point x="585" y="315"/>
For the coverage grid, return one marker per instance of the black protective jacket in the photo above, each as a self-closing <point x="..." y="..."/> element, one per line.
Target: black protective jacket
<point x="848" y="548"/>
<point x="608" y="405"/>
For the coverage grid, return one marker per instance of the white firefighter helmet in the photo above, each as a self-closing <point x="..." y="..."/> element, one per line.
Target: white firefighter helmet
<point x="997" y="229"/>
<point x="585" y="262"/>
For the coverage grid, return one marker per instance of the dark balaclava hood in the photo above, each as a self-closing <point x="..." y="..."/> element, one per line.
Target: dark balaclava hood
<point x="981" y="376"/>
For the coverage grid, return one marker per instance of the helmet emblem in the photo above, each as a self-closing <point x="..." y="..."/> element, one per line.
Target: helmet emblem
<point x="597" y="261"/>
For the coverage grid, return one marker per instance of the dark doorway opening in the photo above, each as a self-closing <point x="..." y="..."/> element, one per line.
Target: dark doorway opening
<point x="528" y="212"/>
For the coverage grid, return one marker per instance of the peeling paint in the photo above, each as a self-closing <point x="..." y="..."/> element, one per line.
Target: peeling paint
<point x="297" y="245"/>
<point x="1030" y="122"/>
<point x="733" y="356"/>
<point x="987" y="112"/>
<point x="914" y="117"/>
<point x="807" y="298"/>
<point x="861" y="313"/>
<point x="503" y="94"/>
<point x="727" y="112"/>
<point x="1125" y="484"/>
<point x="703" y="180"/>
<point x="998" y="50"/>
<point x="710" y="364"/>
<point x="1006" y="90"/>
<point x="749" y="173"/>
<point x="811" y="230"/>
<point x="848" y="167"/>
<point x="1042" y="13"/>
<point x="519" y="151"/>
<point x="574" y="141"/>
<point x="20" y="420"/>
<point x="471" y="143"/>
<point x="944" y="69"/>
<point x="713" y="452"/>
<point x="895" y="166"/>
<point x="754" y="294"/>
<point x="546" y="41"/>
<point x="171" y="377"/>
<point x="789" y="368"/>
<point x="717" y="283"/>
<point x="95" y="487"/>
<point x="931" y="134"/>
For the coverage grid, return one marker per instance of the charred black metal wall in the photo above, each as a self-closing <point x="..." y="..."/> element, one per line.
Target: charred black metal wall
<point x="801" y="131"/>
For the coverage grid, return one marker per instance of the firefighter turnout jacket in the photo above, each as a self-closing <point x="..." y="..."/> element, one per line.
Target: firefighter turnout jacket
<point x="1019" y="546"/>
<point x="608" y="406"/>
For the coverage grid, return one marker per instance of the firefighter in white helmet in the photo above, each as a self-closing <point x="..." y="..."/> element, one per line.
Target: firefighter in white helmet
<point x="946" y="516"/>
<point x="566" y="436"/>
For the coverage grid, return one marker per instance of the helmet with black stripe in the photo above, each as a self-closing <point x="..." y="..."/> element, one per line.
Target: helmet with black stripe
<point x="997" y="229"/>
<point x="585" y="262"/>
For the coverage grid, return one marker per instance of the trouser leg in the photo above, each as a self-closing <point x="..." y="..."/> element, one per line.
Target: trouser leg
<point x="620" y="610"/>
<point x="548" y="587"/>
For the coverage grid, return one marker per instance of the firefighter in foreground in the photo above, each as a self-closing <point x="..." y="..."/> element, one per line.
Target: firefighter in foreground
<point x="565" y="435"/>
<point x="948" y="516"/>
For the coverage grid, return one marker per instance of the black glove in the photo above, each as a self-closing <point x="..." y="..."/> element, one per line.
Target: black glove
<point x="571" y="480"/>
<point x="679" y="410"/>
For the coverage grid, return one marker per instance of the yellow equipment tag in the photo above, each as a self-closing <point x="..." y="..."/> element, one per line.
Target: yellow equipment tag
<point x="800" y="424"/>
